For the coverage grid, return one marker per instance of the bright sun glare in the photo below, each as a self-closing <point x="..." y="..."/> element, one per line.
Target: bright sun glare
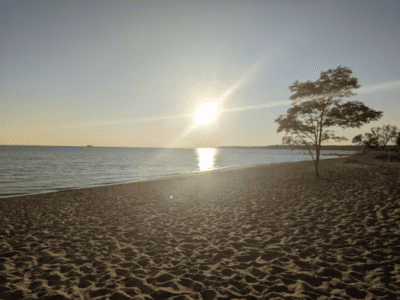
<point x="206" y="113"/>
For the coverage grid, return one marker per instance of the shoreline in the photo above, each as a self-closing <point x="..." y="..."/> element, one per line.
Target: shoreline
<point x="167" y="176"/>
<point x="249" y="232"/>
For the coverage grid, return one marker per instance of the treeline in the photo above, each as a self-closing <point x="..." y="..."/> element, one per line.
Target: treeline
<point x="379" y="138"/>
<point x="331" y="147"/>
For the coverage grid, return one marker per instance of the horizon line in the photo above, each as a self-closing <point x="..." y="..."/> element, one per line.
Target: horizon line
<point x="247" y="146"/>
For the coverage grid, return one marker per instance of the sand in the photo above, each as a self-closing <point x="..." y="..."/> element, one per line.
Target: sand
<point x="258" y="232"/>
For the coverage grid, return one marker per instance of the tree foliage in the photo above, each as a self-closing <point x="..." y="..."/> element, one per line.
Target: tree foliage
<point x="378" y="138"/>
<point x="317" y="105"/>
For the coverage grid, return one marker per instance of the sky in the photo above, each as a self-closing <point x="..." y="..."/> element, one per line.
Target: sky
<point x="133" y="73"/>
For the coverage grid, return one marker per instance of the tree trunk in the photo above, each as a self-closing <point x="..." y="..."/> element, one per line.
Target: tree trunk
<point x="317" y="161"/>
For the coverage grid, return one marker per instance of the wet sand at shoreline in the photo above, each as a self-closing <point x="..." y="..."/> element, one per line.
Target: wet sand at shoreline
<point x="254" y="232"/>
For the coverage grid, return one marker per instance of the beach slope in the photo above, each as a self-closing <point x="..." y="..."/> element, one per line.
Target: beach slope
<point x="256" y="232"/>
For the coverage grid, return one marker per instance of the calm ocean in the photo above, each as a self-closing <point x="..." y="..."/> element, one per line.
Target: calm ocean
<point x="39" y="169"/>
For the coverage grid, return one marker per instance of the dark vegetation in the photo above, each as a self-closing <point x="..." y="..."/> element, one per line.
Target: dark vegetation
<point x="323" y="147"/>
<point x="378" y="138"/>
<point x="375" y="143"/>
<point x="317" y="106"/>
<point x="377" y="154"/>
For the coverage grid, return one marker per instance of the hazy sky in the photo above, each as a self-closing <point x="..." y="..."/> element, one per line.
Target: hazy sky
<point x="132" y="73"/>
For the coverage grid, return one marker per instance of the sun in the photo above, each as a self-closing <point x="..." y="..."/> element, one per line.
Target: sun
<point x="206" y="113"/>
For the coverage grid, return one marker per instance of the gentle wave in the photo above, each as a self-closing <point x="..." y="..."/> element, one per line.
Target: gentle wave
<point x="31" y="169"/>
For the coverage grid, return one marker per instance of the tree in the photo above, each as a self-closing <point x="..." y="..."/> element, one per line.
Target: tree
<point x="398" y="141"/>
<point x="317" y="105"/>
<point x="367" y="140"/>
<point x="379" y="137"/>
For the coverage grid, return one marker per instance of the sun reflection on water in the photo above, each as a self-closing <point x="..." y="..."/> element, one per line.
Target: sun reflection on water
<point x="206" y="158"/>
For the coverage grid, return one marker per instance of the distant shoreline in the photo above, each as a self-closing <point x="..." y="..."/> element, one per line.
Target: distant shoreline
<point x="330" y="147"/>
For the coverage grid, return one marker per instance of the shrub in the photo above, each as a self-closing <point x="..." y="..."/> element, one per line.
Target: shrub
<point x="383" y="155"/>
<point x="398" y="140"/>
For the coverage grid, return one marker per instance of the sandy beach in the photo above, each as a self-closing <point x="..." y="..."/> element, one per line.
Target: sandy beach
<point x="255" y="232"/>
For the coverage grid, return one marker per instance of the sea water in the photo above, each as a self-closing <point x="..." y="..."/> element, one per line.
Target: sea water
<point x="41" y="169"/>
